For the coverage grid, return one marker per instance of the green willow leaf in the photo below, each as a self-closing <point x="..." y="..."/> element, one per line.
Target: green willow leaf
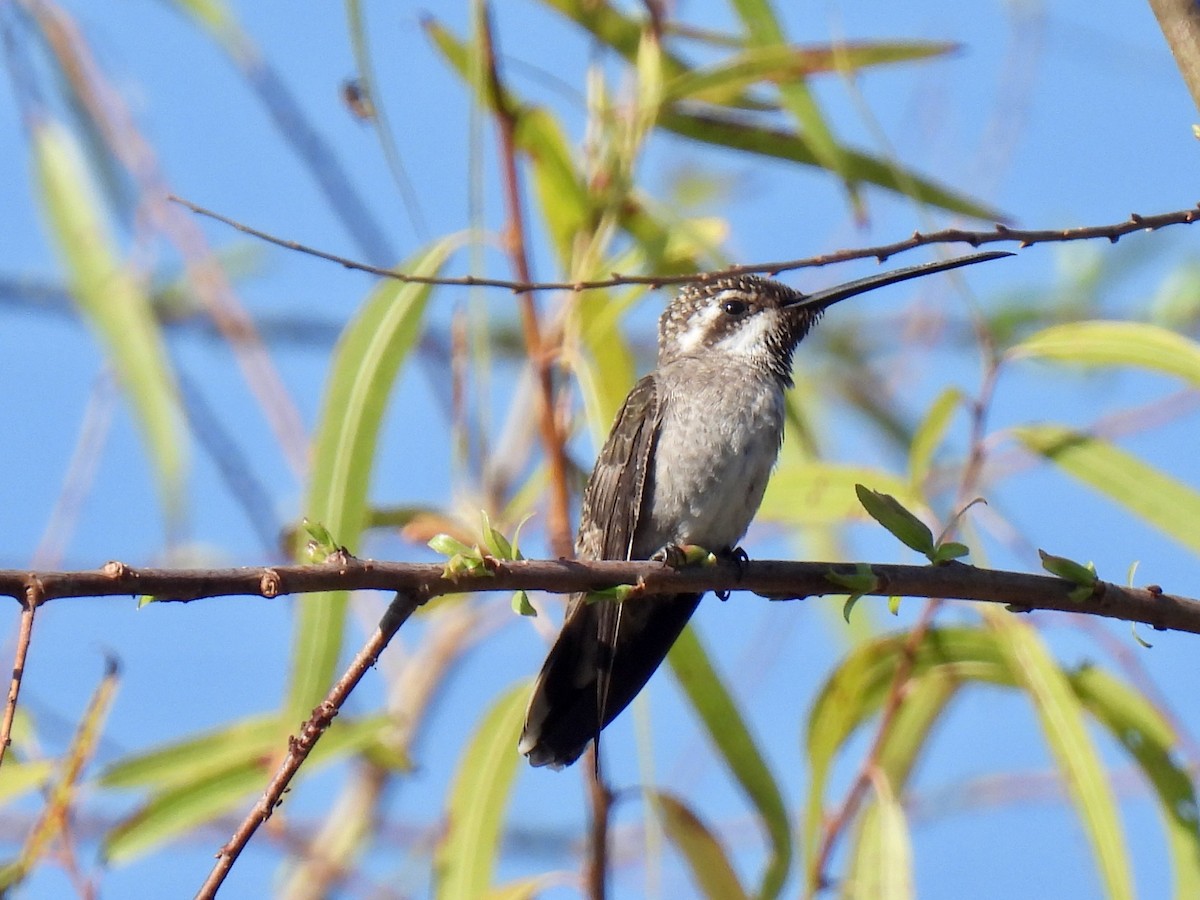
<point x="195" y="757"/>
<point x="881" y="867"/>
<point x="732" y="739"/>
<point x="725" y="82"/>
<point x="711" y="869"/>
<point x="929" y="435"/>
<point x="1062" y="718"/>
<point x="179" y="809"/>
<point x="523" y="889"/>
<point x="608" y="370"/>
<point x="1098" y="343"/>
<point x="366" y="363"/>
<point x="113" y="303"/>
<point x="478" y="799"/>
<point x="813" y="492"/>
<point x="1165" y="502"/>
<point x="891" y="514"/>
<point x="215" y="17"/>
<point x="192" y="790"/>
<point x="64" y="794"/>
<point x="856" y="690"/>
<point x="1068" y="569"/>
<point x="19" y="778"/>
<point x="719" y="128"/>
<point x="764" y="30"/>
<point x="1150" y="740"/>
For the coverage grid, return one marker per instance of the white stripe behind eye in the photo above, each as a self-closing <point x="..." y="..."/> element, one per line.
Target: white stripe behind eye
<point x="698" y="326"/>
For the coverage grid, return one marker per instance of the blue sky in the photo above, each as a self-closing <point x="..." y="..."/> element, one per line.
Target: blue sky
<point x="1055" y="114"/>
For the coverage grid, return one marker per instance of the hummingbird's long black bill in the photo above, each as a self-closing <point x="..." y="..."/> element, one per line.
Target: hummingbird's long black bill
<point x="830" y="296"/>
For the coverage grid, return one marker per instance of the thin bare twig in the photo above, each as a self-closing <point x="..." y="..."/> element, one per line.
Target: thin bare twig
<point x="600" y="799"/>
<point x="54" y="821"/>
<point x="31" y="597"/>
<point x="558" y="524"/>
<point x="881" y="252"/>
<point x="299" y="747"/>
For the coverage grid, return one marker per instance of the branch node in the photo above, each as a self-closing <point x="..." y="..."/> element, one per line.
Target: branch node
<point x="271" y="584"/>
<point x="116" y="570"/>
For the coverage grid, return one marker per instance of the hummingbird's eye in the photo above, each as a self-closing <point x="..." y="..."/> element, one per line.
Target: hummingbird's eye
<point x="735" y="307"/>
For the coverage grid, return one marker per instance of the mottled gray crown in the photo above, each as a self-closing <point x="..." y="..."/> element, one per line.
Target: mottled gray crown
<point x="707" y="317"/>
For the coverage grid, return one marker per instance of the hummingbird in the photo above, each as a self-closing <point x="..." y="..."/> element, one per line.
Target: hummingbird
<point x="686" y="463"/>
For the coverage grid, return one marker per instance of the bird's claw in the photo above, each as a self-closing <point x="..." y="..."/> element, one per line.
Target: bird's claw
<point x="671" y="555"/>
<point x="739" y="558"/>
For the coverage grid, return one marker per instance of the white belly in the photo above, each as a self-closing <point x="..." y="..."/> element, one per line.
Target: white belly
<point x="715" y="453"/>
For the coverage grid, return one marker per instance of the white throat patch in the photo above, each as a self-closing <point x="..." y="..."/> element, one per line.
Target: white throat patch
<point x="750" y="338"/>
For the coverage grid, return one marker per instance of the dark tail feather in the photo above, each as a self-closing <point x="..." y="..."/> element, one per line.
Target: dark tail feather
<point x="564" y="711"/>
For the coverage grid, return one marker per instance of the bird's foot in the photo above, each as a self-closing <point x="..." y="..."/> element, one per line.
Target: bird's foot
<point x="672" y="555"/>
<point x="739" y="558"/>
<point x="679" y="555"/>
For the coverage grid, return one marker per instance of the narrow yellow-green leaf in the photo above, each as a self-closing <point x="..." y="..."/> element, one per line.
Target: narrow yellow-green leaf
<point x="607" y="371"/>
<point x="649" y="66"/>
<point x="1068" y="569"/>
<point x="765" y="31"/>
<point x="195" y="757"/>
<point x="1165" y="502"/>
<point x="609" y="25"/>
<point x="366" y="363"/>
<point x="737" y="134"/>
<point x="725" y="82"/>
<point x="215" y="17"/>
<point x="732" y="739"/>
<point x="881" y="867"/>
<point x="562" y="195"/>
<point x="1099" y="343"/>
<point x="928" y="437"/>
<point x="705" y="854"/>
<point x="179" y="809"/>
<point x="880" y="863"/>
<point x="1150" y="740"/>
<point x="182" y="803"/>
<point x="892" y="515"/>
<point x="1061" y="715"/>
<point x="523" y="889"/>
<point x="856" y="690"/>
<point x="112" y="301"/>
<point x="17" y="778"/>
<point x="725" y="130"/>
<point x="813" y="492"/>
<point x="63" y="795"/>
<point x="478" y="799"/>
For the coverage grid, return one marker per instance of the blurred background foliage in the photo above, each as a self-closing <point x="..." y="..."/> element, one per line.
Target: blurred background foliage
<point x="631" y="160"/>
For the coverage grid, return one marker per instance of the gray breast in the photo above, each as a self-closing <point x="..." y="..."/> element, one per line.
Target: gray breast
<point x="720" y="436"/>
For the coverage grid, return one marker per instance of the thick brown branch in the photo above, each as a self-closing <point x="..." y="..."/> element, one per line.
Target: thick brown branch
<point x="998" y="234"/>
<point x="776" y="579"/>
<point x="558" y="511"/>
